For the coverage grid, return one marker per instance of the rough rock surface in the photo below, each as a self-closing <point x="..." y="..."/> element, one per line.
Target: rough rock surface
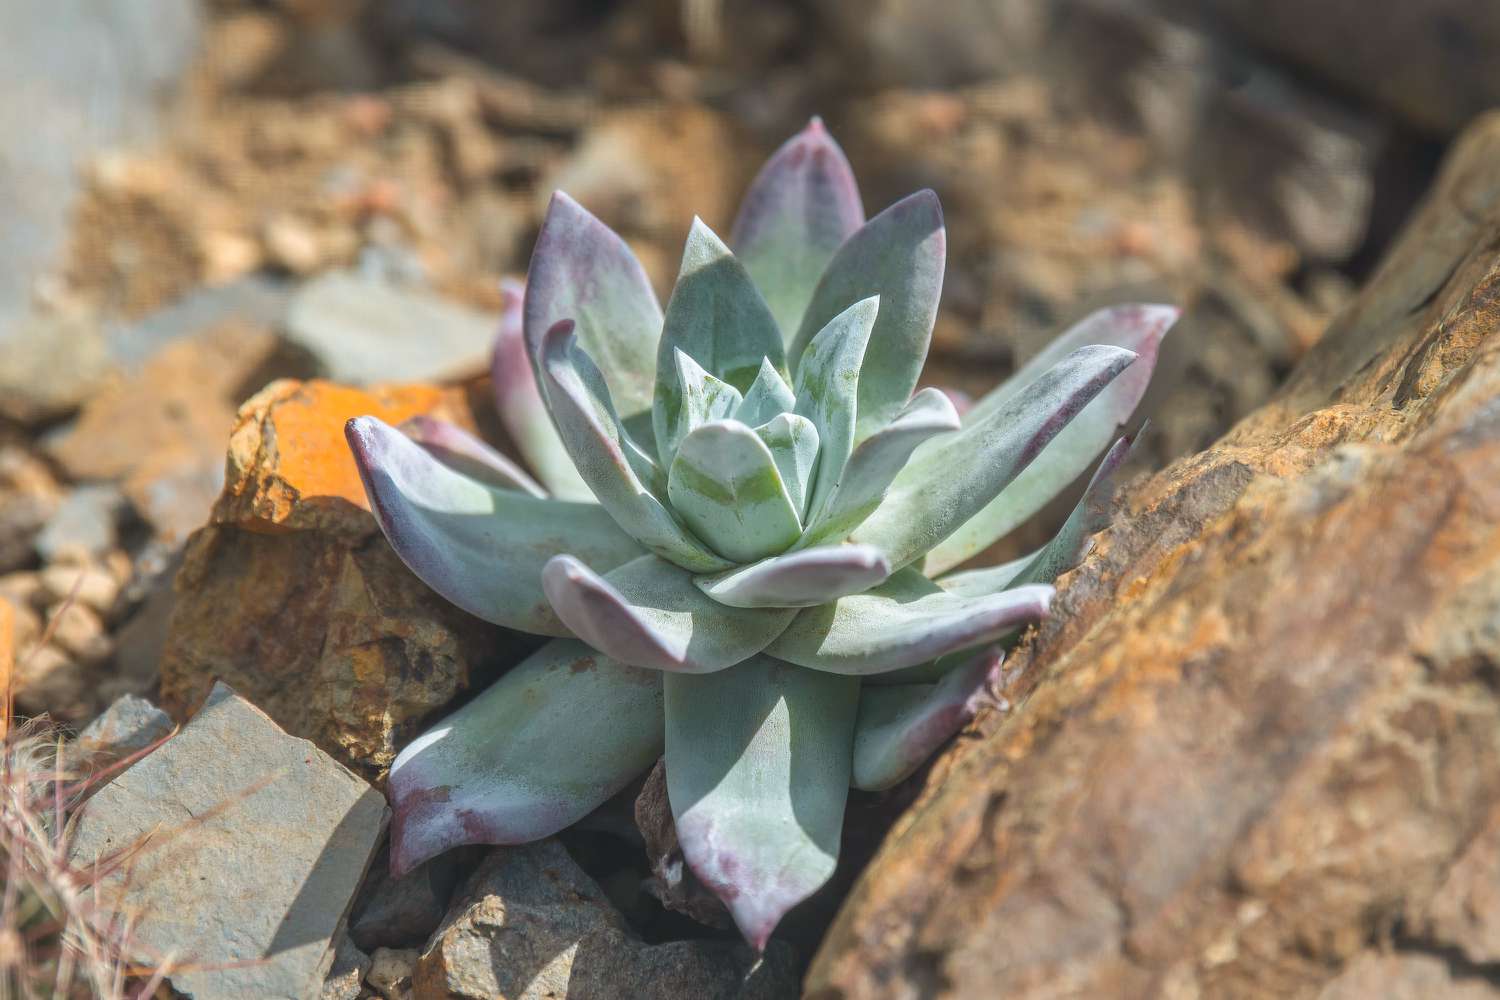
<point x="281" y="833"/>
<point x="530" y="925"/>
<point x="331" y="635"/>
<point x="1260" y="737"/>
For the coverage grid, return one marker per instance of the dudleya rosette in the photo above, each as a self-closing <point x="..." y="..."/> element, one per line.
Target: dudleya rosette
<point x="742" y="529"/>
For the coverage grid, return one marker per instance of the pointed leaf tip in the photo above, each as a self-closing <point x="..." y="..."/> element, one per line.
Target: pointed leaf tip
<point x="801" y="206"/>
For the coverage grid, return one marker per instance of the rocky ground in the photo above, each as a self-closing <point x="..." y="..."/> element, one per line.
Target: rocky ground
<point x="1251" y="758"/>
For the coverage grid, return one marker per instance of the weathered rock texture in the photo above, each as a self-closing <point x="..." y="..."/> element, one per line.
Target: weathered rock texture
<point x="1259" y="741"/>
<point x="243" y="848"/>
<point x="292" y="596"/>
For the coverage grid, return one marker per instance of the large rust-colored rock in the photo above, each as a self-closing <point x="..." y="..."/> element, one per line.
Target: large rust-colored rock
<point x="292" y="596"/>
<point x="1259" y="741"/>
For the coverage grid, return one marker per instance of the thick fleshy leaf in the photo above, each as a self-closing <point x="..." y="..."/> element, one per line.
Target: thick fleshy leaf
<point x="1090" y="516"/>
<point x="700" y="398"/>
<point x="905" y="621"/>
<point x="793" y="443"/>
<point x="768" y="396"/>
<point x="463" y="452"/>
<point x="953" y="477"/>
<point x="649" y="613"/>
<point x="549" y="742"/>
<point x="901" y="725"/>
<point x="801" y="579"/>
<point x="800" y="207"/>
<point x="607" y="458"/>
<point x="1139" y="328"/>
<point x="582" y="271"/>
<point x="725" y="485"/>
<point x="717" y="316"/>
<point x="874" y="464"/>
<point x="518" y="400"/>
<point x="827" y="387"/>
<point x="481" y="548"/>
<point x="899" y="256"/>
<point x="758" y="765"/>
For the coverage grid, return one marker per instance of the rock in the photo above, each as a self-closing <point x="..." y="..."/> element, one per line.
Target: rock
<point x="361" y="331"/>
<point x="672" y="882"/>
<point x="78" y="631"/>
<point x="131" y="723"/>
<point x="74" y="82"/>
<point x="901" y="42"/>
<point x="390" y="972"/>
<point x="330" y="634"/>
<point x="1464" y="913"/>
<point x="50" y="682"/>
<point x="89" y="584"/>
<point x="1262" y="725"/>
<point x="1407" y="976"/>
<point x="84" y="526"/>
<point x="259" y="841"/>
<point x="1428" y="62"/>
<point x="530" y="925"/>
<point x="29" y="497"/>
<point x="49" y="364"/>
<point x="402" y="912"/>
<point x="347" y="975"/>
<point x="162" y="430"/>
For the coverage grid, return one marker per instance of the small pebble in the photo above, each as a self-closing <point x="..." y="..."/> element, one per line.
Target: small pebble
<point x="391" y="970"/>
<point x="97" y="587"/>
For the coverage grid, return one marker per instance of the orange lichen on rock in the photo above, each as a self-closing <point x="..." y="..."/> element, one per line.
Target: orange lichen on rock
<point x="289" y="467"/>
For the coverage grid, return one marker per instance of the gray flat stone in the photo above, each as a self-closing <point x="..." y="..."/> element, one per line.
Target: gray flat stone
<point x="85" y="522"/>
<point x="362" y="330"/>
<point x="131" y="723"/>
<point x="258" y="842"/>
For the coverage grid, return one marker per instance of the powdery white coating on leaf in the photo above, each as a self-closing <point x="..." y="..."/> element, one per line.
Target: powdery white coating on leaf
<point x="725" y="485"/>
<point x="518" y="400"/>
<point x="700" y="399"/>
<point x="900" y="726"/>
<point x="873" y="466"/>
<point x="606" y="457"/>
<point x="905" y="621"/>
<point x="801" y="206"/>
<point x="480" y="547"/>
<point x="1138" y="328"/>
<point x="649" y="613"/>
<point x="582" y="271"/>
<point x="717" y="318"/>
<point x="793" y="443"/>
<point x="464" y="453"/>
<point x="953" y="477"/>
<point x="899" y="256"/>
<point x="767" y="396"/>
<point x="800" y="579"/>
<point x="758" y="764"/>
<point x="540" y="749"/>
<point x="827" y="386"/>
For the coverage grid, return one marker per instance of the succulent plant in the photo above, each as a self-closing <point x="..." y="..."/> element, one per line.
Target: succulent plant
<point x="741" y="530"/>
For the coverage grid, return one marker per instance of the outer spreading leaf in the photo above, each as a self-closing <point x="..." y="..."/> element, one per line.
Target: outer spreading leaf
<point x="800" y="207"/>
<point x="766" y="397"/>
<point x="549" y="742"/>
<point x="518" y="400"/>
<point x="758" y="763"/>
<point x="463" y="452"/>
<point x="953" y="477"/>
<point x="899" y="256"/>
<point x="793" y="443"/>
<point x="582" y="271"/>
<point x="700" y="399"/>
<point x="1139" y="328"/>
<point x="606" y="457"/>
<point x="900" y="726"/>
<point x="905" y="621"/>
<point x="827" y="387"/>
<point x="800" y="579"/>
<point x="874" y="465"/>
<point x="649" y="613"/>
<point x="725" y="485"/>
<point x="481" y="548"/>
